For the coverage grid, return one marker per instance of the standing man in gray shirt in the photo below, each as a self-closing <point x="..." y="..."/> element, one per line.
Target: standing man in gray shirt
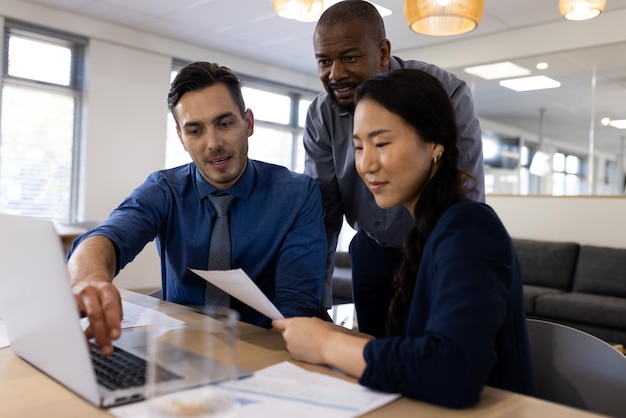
<point x="351" y="46"/>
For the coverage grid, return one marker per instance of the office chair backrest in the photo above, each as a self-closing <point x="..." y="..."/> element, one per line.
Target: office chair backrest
<point x="577" y="369"/>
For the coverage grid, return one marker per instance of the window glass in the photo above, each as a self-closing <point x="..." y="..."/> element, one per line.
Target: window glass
<point x="571" y="164"/>
<point x="299" y="155"/>
<point x="39" y="122"/>
<point x="567" y="178"/>
<point x="268" y="106"/>
<point x="271" y="145"/>
<point x="303" y="107"/>
<point x="558" y="184"/>
<point x="175" y="154"/>
<point x="558" y="162"/>
<point x="36" y="152"/>
<point x="41" y="61"/>
<point x="572" y="185"/>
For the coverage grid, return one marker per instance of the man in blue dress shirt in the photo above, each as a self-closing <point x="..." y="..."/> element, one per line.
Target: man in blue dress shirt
<point x="276" y="217"/>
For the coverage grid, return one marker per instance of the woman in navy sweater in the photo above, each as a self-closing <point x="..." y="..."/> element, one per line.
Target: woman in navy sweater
<point x="457" y="320"/>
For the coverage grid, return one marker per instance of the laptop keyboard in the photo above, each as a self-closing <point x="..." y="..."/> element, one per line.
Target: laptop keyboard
<point x="123" y="370"/>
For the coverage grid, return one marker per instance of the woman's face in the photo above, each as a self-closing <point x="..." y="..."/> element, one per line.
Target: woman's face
<point x="392" y="159"/>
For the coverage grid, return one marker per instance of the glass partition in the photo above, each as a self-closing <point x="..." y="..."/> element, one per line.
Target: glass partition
<point x="563" y="140"/>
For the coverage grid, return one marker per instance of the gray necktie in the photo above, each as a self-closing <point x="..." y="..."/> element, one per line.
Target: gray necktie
<point x="219" y="250"/>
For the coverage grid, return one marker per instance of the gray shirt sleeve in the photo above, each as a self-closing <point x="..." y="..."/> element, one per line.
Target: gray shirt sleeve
<point x="320" y="164"/>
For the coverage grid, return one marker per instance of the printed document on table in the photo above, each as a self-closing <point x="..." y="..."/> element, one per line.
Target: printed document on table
<point x="134" y="316"/>
<point x="237" y="284"/>
<point x="285" y="390"/>
<point x="137" y="316"/>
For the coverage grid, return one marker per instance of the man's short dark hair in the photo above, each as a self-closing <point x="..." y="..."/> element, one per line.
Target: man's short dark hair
<point x="351" y="10"/>
<point x="199" y="75"/>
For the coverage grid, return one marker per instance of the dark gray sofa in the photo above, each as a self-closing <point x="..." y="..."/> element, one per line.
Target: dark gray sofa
<point x="582" y="286"/>
<point x="342" y="279"/>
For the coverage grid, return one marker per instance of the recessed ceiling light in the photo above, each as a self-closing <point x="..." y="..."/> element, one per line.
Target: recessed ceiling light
<point x="542" y="65"/>
<point x="498" y="70"/>
<point x="530" y="83"/>
<point x="619" y="123"/>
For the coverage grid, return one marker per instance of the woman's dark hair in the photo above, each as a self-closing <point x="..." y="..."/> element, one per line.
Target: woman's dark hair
<point x="199" y="75"/>
<point x="422" y="102"/>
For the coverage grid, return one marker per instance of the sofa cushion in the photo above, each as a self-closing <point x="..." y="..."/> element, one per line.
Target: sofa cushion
<point x="533" y="292"/>
<point x="601" y="270"/>
<point x="342" y="285"/>
<point x="342" y="259"/>
<point x="342" y="279"/>
<point x="546" y="263"/>
<point x="607" y="311"/>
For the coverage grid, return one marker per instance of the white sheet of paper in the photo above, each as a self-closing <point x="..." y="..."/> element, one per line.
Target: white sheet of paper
<point x="134" y="316"/>
<point x="237" y="284"/>
<point x="137" y="315"/>
<point x="285" y="390"/>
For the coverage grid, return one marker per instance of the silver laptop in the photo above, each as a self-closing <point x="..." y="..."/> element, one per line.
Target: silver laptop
<point x="42" y="320"/>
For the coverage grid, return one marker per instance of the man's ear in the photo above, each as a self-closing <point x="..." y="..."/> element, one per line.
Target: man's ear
<point x="249" y="116"/>
<point x="385" y="54"/>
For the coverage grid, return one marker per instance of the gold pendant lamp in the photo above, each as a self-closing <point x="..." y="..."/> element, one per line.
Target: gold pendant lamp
<point x="443" y="17"/>
<point x="301" y="10"/>
<point x="581" y="9"/>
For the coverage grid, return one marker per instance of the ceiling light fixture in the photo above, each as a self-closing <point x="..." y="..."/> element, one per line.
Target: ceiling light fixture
<point x="311" y="10"/>
<point x="443" y="17"/>
<point x="300" y="10"/>
<point x="618" y="123"/>
<point x="581" y="9"/>
<point x="505" y="69"/>
<point x="538" y="82"/>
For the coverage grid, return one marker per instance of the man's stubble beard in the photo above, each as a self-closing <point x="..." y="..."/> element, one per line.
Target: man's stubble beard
<point x="342" y="108"/>
<point x="338" y="107"/>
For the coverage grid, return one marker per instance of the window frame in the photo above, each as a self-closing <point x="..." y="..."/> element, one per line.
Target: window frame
<point x="76" y="88"/>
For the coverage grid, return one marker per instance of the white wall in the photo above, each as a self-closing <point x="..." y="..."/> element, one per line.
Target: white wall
<point x="593" y="220"/>
<point x="124" y="138"/>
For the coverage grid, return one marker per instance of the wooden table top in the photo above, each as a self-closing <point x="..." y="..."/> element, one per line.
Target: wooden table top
<point x="26" y="392"/>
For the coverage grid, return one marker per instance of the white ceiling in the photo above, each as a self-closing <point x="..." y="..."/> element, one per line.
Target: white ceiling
<point x="251" y="29"/>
